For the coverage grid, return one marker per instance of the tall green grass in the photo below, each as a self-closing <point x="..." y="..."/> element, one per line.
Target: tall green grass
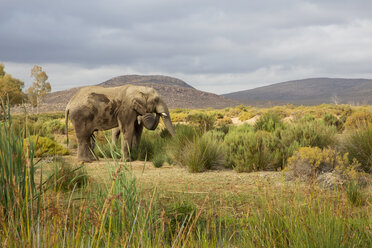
<point x="358" y="144"/>
<point x="17" y="167"/>
<point x="202" y="153"/>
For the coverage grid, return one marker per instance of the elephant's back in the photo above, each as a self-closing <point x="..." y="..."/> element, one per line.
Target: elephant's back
<point x="93" y="95"/>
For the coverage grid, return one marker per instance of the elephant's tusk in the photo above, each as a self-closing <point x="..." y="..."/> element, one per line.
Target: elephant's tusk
<point x="164" y="114"/>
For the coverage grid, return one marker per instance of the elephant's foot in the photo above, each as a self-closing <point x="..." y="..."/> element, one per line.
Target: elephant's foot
<point x="127" y="160"/>
<point x="86" y="156"/>
<point x="86" y="160"/>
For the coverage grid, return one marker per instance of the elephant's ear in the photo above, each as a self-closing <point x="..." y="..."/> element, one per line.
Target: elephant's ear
<point x="139" y="105"/>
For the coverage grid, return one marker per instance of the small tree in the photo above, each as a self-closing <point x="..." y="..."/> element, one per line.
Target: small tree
<point x="10" y="88"/>
<point x="40" y="87"/>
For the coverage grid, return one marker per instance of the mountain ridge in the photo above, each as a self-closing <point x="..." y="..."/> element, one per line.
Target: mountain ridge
<point x="309" y="91"/>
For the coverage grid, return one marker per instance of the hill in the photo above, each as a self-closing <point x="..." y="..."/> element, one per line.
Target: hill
<point x="139" y="79"/>
<point x="175" y="92"/>
<point x="310" y="91"/>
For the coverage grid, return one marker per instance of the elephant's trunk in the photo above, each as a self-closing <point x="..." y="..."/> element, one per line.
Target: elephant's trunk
<point x="149" y="121"/>
<point x="168" y="124"/>
<point x="162" y="109"/>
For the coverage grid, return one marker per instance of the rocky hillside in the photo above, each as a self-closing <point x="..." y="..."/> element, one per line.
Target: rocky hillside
<point x="144" y="80"/>
<point x="175" y="92"/>
<point x="310" y="91"/>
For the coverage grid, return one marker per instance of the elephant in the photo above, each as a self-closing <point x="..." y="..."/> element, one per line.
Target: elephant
<point x="125" y="109"/>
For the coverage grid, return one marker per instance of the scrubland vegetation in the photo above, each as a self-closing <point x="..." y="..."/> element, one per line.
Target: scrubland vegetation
<point x="317" y="193"/>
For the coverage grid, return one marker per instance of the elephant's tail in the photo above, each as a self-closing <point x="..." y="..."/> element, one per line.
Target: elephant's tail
<point x="66" y="123"/>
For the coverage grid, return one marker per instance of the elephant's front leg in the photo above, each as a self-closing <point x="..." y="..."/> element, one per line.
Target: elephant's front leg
<point x="84" y="152"/>
<point x="138" y="128"/>
<point x="126" y="142"/>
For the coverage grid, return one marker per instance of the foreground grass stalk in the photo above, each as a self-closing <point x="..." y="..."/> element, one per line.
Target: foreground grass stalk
<point x="134" y="223"/>
<point x="181" y="229"/>
<point x="67" y="212"/>
<point x="104" y="209"/>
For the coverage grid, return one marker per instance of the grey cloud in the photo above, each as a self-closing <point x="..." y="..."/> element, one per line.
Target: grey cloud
<point x="191" y="37"/>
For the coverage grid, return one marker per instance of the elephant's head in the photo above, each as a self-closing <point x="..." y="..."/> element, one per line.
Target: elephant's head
<point x="146" y="100"/>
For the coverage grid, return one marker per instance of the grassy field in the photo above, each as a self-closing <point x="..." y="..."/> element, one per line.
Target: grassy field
<point x="280" y="202"/>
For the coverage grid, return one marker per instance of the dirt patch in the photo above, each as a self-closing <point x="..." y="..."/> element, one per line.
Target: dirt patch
<point x="251" y="121"/>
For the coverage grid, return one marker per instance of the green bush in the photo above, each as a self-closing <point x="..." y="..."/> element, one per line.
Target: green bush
<point x="215" y="134"/>
<point x="202" y="153"/>
<point x="243" y="116"/>
<point x="151" y="144"/>
<point x="354" y="193"/>
<point x="43" y="124"/>
<point x="331" y="120"/>
<point x="184" y="135"/>
<point x="358" y="144"/>
<point x="55" y="126"/>
<point x="358" y="119"/>
<point x="308" y="133"/>
<point x="247" y="150"/>
<point x="158" y="160"/>
<point x="45" y="146"/>
<point x="66" y="177"/>
<point x="202" y="120"/>
<point x="286" y="140"/>
<point x="223" y="121"/>
<point x="310" y="162"/>
<point x="268" y="122"/>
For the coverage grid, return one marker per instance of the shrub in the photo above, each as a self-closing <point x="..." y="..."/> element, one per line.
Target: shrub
<point x="354" y="193"/>
<point x="224" y="121"/>
<point x="55" y="126"/>
<point x="158" y="160"/>
<point x="243" y="116"/>
<point x="331" y="120"/>
<point x="151" y="144"/>
<point x="248" y="151"/>
<point x="66" y="177"/>
<point x="178" y="117"/>
<point x="184" y="135"/>
<point x="358" y="144"/>
<point x="268" y="122"/>
<point x="358" y="119"/>
<point x="308" y="133"/>
<point x="202" y="120"/>
<point x="43" y="124"/>
<point x="310" y="162"/>
<point x="215" y="134"/>
<point x="44" y="146"/>
<point x="202" y="153"/>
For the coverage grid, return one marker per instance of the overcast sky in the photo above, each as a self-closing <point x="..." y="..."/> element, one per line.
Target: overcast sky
<point x="215" y="46"/>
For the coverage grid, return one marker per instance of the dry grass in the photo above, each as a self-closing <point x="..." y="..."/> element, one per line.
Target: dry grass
<point x="225" y="191"/>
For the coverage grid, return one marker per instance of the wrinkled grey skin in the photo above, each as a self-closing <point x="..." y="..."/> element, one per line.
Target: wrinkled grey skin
<point x="125" y="108"/>
<point x="149" y="121"/>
